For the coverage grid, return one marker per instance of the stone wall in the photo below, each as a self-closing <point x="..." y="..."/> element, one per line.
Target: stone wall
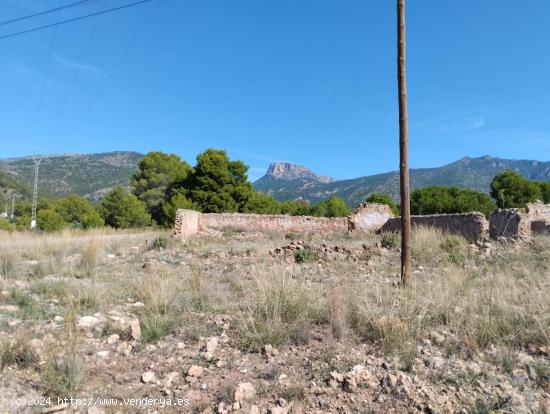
<point x="273" y="223"/>
<point x="472" y="226"/>
<point x="520" y="222"/>
<point x="369" y="217"/>
<point x="187" y="223"/>
<point x="509" y="223"/>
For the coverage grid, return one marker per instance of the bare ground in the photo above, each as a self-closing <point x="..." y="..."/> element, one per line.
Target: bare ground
<point x="251" y="323"/>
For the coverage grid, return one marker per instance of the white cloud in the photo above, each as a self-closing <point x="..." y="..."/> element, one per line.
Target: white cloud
<point x="476" y="124"/>
<point x="75" y="65"/>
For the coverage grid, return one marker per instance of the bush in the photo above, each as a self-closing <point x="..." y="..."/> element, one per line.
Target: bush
<point x="305" y="255"/>
<point x="448" y="200"/>
<point x="79" y="212"/>
<point x="384" y="199"/>
<point x="389" y="240"/>
<point x="333" y="207"/>
<point x="50" y="220"/>
<point x="510" y="189"/>
<point x="122" y="210"/>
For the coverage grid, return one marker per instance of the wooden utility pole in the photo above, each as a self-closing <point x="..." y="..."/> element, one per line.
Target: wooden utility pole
<point x="403" y="146"/>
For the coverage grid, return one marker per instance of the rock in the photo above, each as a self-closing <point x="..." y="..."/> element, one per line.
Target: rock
<point x="87" y="322"/>
<point x="148" y="377"/>
<point x="436" y="337"/>
<point x="531" y="372"/>
<point x="209" y="349"/>
<point x="113" y="338"/>
<point x="270" y="351"/>
<point x="254" y="410"/>
<point x="221" y="408"/>
<point x="36" y="349"/>
<point x="245" y="391"/>
<point x="135" y="329"/>
<point x="9" y="308"/>
<point x="337" y="376"/>
<point x="103" y="354"/>
<point x="58" y="318"/>
<point x="170" y="377"/>
<point x="124" y="348"/>
<point x="436" y="363"/>
<point x="195" y="371"/>
<point x="95" y="410"/>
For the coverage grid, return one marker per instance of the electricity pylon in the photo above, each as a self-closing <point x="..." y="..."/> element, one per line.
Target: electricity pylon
<point x="35" y="192"/>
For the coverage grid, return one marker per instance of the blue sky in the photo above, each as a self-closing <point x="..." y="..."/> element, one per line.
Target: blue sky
<point x="309" y="81"/>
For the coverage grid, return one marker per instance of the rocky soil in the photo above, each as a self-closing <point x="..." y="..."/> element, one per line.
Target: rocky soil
<point x="160" y="325"/>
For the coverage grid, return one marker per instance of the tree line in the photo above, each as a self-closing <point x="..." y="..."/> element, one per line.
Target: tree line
<point x="164" y="183"/>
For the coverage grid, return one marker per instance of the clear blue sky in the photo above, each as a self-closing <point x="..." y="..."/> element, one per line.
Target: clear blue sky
<point x="309" y="81"/>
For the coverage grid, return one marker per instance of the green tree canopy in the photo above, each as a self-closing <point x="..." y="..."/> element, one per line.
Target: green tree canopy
<point x="157" y="172"/>
<point x="50" y="220"/>
<point x="122" y="210"/>
<point x="219" y="184"/>
<point x="510" y="189"/>
<point x="262" y="204"/>
<point x="447" y="200"/>
<point x="382" y="198"/>
<point x="178" y="200"/>
<point x="332" y="207"/>
<point x="79" y="212"/>
<point x="545" y="190"/>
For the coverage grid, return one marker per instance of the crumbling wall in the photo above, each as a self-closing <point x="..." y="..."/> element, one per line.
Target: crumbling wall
<point x="369" y="217"/>
<point x="520" y="222"/>
<point x="509" y="223"/>
<point x="187" y="223"/>
<point x="472" y="226"/>
<point x="273" y="223"/>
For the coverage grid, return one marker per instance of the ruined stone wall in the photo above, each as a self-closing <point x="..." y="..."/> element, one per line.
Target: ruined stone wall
<point x="369" y="217"/>
<point x="472" y="226"/>
<point x="509" y="223"/>
<point x="520" y="222"/>
<point x="273" y="223"/>
<point x="187" y="223"/>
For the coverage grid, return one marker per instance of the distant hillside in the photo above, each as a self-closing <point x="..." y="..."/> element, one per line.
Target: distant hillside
<point x="89" y="175"/>
<point x="293" y="172"/>
<point x="473" y="173"/>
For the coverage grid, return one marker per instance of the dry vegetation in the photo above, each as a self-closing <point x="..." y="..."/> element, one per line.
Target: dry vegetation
<point x="322" y="327"/>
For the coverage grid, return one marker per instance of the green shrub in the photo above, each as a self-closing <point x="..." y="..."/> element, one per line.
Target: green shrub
<point x="305" y="255"/>
<point x="448" y="200"/>
<point x="389" y="240"/>
<point x="122" y="210"/>
<point x="511" y="189"/>
<point x="333" y="207"/>
<point x="50" y="220"/>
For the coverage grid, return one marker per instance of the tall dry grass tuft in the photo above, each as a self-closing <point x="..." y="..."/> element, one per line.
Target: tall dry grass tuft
<point x="337" y="311"/>
<point x="283" y="310"/>
<point x="63" y="373"/>
<point x="89" y="256"/>
<point x="161" y="292"/>
<point x="483" y="306"/>
<point x="7" y="262"/>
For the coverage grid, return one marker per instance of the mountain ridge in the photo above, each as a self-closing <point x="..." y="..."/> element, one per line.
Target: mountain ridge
<point x="475" y="173"/>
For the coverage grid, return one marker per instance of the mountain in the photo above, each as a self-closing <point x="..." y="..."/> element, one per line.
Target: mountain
<point x="293" y="172"/>
<point x="473" y="173"/>
<point x="89" y="175"/>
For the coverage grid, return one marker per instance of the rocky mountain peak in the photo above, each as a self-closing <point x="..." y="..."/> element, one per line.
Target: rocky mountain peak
<point x="289" y="171"/>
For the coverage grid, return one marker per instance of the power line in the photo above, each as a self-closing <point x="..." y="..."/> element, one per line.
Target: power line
<point x="118" y="65"/>
<point x="34" y="29"/>
<point x="46" y="75"/>
<point x="76" y="72"/>
<point x="30" y="16"/>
